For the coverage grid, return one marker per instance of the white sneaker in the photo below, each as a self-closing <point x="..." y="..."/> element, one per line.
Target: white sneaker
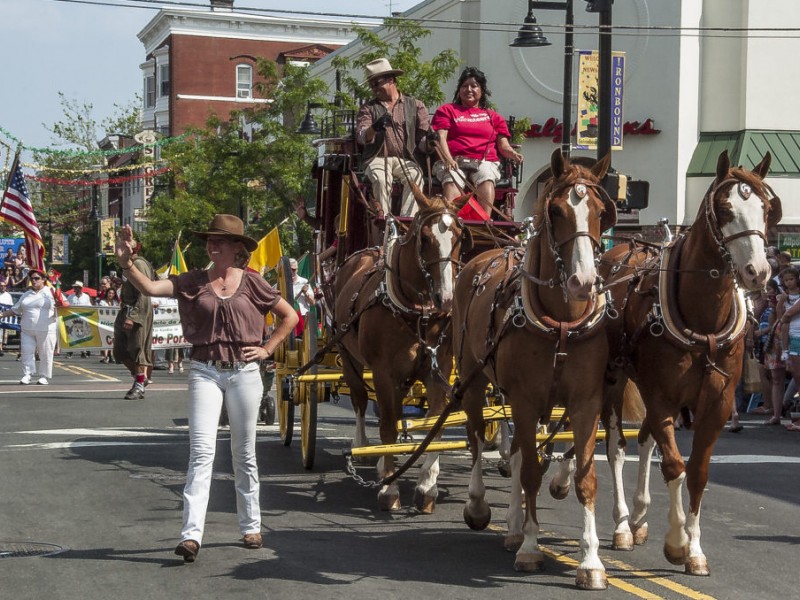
<point x="43" y="381"/>
<point x="26" y="379"/>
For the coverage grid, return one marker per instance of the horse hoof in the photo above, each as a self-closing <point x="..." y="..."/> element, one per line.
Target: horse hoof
<point x="504" y="468"/>
<point x="479" y="521"/>
<point x="559" y="492"/>
<point x="697" y="565"/>
<point x="591" y="579"/>
<point x="623" y="541"/>
<point x="387" y="502"/>
<point x="640" y="534"/>
<point x="423" y="503"/>
<point x="513" y="542"/>
<point x="676" y="556"/>
<point x="532" y="562"/>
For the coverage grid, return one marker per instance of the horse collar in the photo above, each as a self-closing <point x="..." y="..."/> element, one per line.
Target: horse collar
<point x="667" y="314"/>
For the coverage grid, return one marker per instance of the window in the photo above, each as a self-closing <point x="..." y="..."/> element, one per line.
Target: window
<point x="149" y="91"/>
<point x="244" y="81"/>
<point x="163" y="78"/>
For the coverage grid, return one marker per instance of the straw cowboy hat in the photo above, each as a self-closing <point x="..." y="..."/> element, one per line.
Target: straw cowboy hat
<point x="380" y="67"/>
<point x="228" y="226"/>
<point x="78" y="284"/>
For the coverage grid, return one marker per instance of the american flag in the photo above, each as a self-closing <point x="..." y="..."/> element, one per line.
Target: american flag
<point x="16" y="208"/>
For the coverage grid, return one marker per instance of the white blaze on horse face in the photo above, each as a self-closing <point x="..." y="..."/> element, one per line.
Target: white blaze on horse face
<point x="582" y="273"/>
<point x="748" y="252"/>
<point x="446" y="240"/>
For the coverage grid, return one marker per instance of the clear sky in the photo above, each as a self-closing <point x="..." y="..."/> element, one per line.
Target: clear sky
<point x="90" y="52"/>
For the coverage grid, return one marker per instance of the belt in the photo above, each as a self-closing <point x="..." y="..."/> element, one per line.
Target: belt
<point x="225" y="365"/>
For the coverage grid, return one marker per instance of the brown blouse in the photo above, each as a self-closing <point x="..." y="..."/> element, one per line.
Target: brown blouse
<point x="219" y="328"/>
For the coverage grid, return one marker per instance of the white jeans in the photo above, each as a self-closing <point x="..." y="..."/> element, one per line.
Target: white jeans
<point x="241" y="391"/>
<point x="43" y="342"/>
<point x="399" y="168"/>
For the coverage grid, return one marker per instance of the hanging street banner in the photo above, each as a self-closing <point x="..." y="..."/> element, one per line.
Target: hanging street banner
<point x="588" y="86"/>
<point x="107" y="235"/>
<point x="59" y="252"/>
<point x="90" y="327"/>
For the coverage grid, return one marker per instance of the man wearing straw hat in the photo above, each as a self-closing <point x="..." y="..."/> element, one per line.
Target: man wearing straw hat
<point x="391" y="127"/>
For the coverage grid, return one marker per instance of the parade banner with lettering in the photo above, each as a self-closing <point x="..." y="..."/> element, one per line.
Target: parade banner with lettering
<point x="92" y="327"/>
<point x="588" y="86"/>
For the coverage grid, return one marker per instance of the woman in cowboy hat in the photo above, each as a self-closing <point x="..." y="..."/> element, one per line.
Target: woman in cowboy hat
<point x="222" y="312"/>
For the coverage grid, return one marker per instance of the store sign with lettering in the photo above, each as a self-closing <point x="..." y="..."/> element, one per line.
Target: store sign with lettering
<point x="552" y="129"/>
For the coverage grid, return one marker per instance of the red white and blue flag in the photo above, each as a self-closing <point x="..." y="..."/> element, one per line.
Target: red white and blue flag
<point x="16" y="208"/>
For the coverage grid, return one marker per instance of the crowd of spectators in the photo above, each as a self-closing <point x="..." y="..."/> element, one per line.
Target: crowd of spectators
<point x="775" y="343"/>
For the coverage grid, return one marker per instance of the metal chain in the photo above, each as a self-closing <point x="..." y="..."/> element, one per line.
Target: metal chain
<point x="351" y="470"/>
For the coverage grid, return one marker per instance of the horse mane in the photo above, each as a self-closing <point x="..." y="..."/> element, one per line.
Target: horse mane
<point x="740" y="174"/>
<point x="434" y="204"/>
<point x="573" y="171"/>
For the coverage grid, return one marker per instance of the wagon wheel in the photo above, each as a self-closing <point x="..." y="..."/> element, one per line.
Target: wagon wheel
<point x="282" y="355"/>
<point x="492" y="430"/>
<point x="308" y="406"/>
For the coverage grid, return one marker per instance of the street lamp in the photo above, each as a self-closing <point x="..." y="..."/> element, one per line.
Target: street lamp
<point x="530" y="35"/>
<point x="309" y="125"/>
<point x="94" y="217"/>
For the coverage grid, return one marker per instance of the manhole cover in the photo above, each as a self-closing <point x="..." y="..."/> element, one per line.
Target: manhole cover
<point x="27" y="549"/>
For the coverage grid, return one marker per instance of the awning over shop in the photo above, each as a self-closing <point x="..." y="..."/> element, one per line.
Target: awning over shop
<point x="747" y="148"/>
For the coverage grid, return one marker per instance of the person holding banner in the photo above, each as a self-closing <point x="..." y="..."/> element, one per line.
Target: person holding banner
<point x="133" y="328"/>
<point x="37" y="311"/>
<point x="6" y="300"/>
<point x="222" y="312"/>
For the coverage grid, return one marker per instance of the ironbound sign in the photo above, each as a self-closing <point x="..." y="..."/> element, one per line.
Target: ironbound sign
<point x="588" y="86"/>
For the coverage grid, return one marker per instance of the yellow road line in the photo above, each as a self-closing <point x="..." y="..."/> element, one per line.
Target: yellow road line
<point x="615" y="581"/>
<point x="76" y="370"/>
<point x="662" y="581"/>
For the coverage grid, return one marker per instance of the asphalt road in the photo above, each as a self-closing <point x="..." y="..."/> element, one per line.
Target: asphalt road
<point x="98" y="477"/>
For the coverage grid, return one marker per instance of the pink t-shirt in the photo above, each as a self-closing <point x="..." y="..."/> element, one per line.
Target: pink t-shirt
<point x="471" y="132"/>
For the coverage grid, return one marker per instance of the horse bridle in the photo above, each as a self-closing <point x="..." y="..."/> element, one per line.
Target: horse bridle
<point x="414" y="233"/>
<point x="722" y="241"/>
<point x="581" y="187"/>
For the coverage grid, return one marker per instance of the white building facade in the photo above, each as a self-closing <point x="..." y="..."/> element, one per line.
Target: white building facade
<point x="700" y="76"/>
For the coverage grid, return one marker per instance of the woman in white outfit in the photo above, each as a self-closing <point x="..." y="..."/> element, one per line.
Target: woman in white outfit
<point x="37" y="311"/>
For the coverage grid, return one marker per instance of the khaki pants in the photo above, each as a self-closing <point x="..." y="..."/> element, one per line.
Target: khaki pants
<point x="381" y="171"/>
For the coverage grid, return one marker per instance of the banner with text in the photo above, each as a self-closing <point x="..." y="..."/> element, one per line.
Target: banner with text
<point x="90" y="327"/>
<point x="588" y="86"/>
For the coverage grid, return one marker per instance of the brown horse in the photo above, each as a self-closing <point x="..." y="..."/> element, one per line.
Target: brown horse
<point x="395" y="305"/>
<point x="681" y="339"/>
<point x="529" y="324"/>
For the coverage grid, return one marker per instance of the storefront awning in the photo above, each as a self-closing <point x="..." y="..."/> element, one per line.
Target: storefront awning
<point x="747" y="148"/>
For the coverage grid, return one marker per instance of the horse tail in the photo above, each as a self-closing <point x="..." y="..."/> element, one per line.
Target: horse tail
<point x="633" y="409"/>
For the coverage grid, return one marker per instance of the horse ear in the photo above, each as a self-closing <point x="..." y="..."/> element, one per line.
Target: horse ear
<point x="723" y="165"/>
<point x="601" y="166"/>
<point x="421" y="198"/>
<point x="557" y="165"/>
<point x="762" y="168"/>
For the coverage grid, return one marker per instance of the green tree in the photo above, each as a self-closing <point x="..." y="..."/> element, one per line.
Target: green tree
<point x="73" y="152"/>
<point x="219" y="169"/>
<point x="399" y="43"/>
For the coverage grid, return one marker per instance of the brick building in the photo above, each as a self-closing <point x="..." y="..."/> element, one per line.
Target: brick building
<point x="200" y="62"/>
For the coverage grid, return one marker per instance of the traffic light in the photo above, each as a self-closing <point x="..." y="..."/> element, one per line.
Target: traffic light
<point x="629" y="194"/>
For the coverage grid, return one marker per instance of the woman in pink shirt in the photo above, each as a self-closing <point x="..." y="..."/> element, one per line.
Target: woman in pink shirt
<point x="471" y="139"/>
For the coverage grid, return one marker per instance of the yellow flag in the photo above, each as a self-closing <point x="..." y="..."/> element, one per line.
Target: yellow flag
<point x="266" y="256"/>
<point x="177" y="264"/>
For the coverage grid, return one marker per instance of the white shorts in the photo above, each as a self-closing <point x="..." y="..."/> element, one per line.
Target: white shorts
<point x="474" y="170"/>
